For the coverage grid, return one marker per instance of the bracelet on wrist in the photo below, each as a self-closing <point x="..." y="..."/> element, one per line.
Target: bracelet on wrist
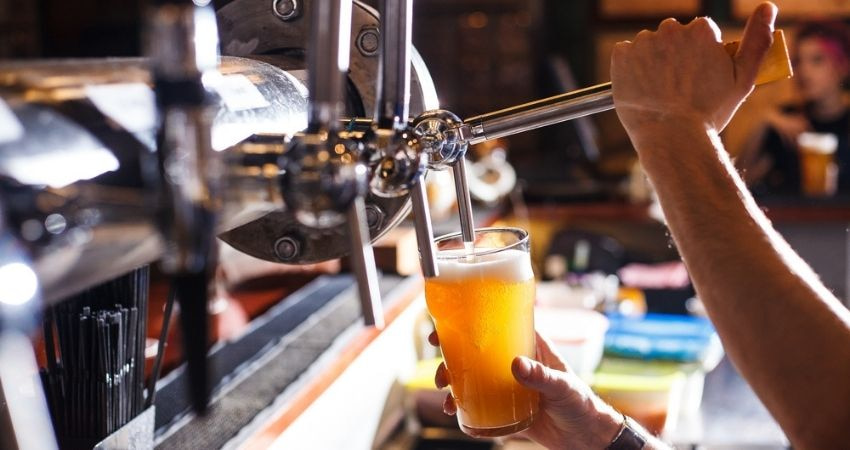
<point x="628" y="438"/>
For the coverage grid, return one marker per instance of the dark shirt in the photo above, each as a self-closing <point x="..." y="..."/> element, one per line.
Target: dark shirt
<point x="784" y="175"/>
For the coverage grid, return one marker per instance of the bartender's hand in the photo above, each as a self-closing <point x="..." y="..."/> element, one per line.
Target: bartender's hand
<point x="571" y="415"/>
<point x="682" y="73"/>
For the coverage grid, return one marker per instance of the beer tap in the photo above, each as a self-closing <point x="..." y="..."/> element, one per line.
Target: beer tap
<point x="183" y="47"/>
<point x="392" y="119"/>
<point x="323" y="176"/>
<point x="23" y="407"/>
<point x="445" y="137"/>
<point x="582" y="102"/>
<point x="401" y="167"/>
<point x="437" y="132"/>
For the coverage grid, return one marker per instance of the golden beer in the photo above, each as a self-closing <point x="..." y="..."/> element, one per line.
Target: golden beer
<point x="483" y="308"/>
<point x="818" y="170"/>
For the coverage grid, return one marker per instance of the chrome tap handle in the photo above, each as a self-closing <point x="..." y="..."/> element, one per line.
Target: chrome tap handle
<point x="595" y="99"/>
<point x="537" y="114"/>
<point x="319" y="181"/>
<point x="393" y="95"/>
<point x="183" y="48"/>
<point x="424" y="229"/>
<point x="324" y="179"/>
<point x="402" y="168"/>
<point x="440" y="136"/>
<point x="327" y="60"/>
<point x="363" y="264"/>
<point x="464" y="203"/>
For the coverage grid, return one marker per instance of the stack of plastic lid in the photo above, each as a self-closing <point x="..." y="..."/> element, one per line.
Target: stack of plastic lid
<point x="654" y="366"/>
<point x="665" y="337"/>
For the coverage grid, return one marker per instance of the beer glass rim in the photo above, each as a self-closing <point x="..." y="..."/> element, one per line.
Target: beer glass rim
<point x="522" y="240"/>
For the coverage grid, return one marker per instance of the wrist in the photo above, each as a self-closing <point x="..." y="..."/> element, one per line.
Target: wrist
<point x="671" y="140"/>
<point x="603" y="425"/>
<point x="652" y="134"/>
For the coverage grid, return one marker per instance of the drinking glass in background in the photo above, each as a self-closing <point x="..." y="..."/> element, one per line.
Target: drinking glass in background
<point x="818" y="170"/>
<point x="483" y="308"/>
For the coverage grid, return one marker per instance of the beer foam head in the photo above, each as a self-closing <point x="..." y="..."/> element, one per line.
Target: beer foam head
<point x="824" y="143"/>
<point x="508" y="265"/>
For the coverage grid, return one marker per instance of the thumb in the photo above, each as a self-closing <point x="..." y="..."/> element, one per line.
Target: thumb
<point x="758" y="37"/>
<point x="554" y="385"/>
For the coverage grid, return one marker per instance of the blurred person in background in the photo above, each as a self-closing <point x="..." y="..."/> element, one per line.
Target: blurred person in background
<point x="821" y="58"/>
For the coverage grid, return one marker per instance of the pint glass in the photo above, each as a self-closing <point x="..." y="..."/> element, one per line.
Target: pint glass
<point x="483" y="308"/>
<point x="819" y="172"/>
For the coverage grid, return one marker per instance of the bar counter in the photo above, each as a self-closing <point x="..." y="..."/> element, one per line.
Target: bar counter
<point x="309" y="373"/>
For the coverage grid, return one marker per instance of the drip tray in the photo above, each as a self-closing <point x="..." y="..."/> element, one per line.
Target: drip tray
<point x="266" y="365"/>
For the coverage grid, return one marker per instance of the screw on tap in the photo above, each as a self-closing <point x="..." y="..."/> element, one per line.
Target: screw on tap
<point x="368" y="41"/>
<point x="287" y="248"/>
<point x="374" y="217"/>
<point x="286" y="9"/>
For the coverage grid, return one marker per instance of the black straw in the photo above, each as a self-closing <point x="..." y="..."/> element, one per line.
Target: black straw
<point x="163" y="342"/>
<point x="95" y="384"/>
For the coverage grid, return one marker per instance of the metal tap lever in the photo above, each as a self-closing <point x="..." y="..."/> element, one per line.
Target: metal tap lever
<point x="464" y="203"/>
<point x="183" y="48"/>
<point x="363" y="263"/>
<point x="445" y="137"/>
<point x="327" y="60"/>
<point x="401" y="168"/>
<point x="393" y="95"/>
<point x="537" y="114"/>
<point x="592" y="100"/>
<point x="438" y="136"/>
<point x="424" y="229"/>
<point x="324" y="178"/>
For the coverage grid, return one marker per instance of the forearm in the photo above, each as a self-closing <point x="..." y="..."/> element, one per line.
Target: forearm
<point x="750" y="162"/>
<point x="776" y="319"/>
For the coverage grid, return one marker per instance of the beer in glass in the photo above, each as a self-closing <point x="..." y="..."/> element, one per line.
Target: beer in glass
<point x="818" y="171"/>
<point x="483" y="307"/>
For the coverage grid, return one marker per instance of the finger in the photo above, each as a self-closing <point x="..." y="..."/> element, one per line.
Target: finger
<point x="758" y="37"/>
<point x="643" y="35"/>
<point x="553" y="385"/>
<point x="618" y="55"/>
<point x="668" y="25"/>
<point x="433" y="339"/>
<point x="449" y="406"/>
<point x="708" y="26"/>
<point x="547" y="355"/>
<point x="441" y="378"/>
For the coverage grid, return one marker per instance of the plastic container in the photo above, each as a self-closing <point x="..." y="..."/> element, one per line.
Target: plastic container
<point x="647" y="392"/>
<point x="578" y="335"/>
<point x="558" y="294"/>
<point x="664" y="337"/>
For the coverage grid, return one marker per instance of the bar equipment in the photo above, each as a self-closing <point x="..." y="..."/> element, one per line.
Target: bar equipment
<point x="183" y="49"/>
<point x="108" y="165"/>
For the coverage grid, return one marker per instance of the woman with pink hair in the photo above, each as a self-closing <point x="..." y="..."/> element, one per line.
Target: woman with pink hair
<point x="822" y="65"/>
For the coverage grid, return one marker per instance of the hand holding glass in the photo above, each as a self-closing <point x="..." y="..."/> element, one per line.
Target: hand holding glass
<point x="483" y="308"/>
